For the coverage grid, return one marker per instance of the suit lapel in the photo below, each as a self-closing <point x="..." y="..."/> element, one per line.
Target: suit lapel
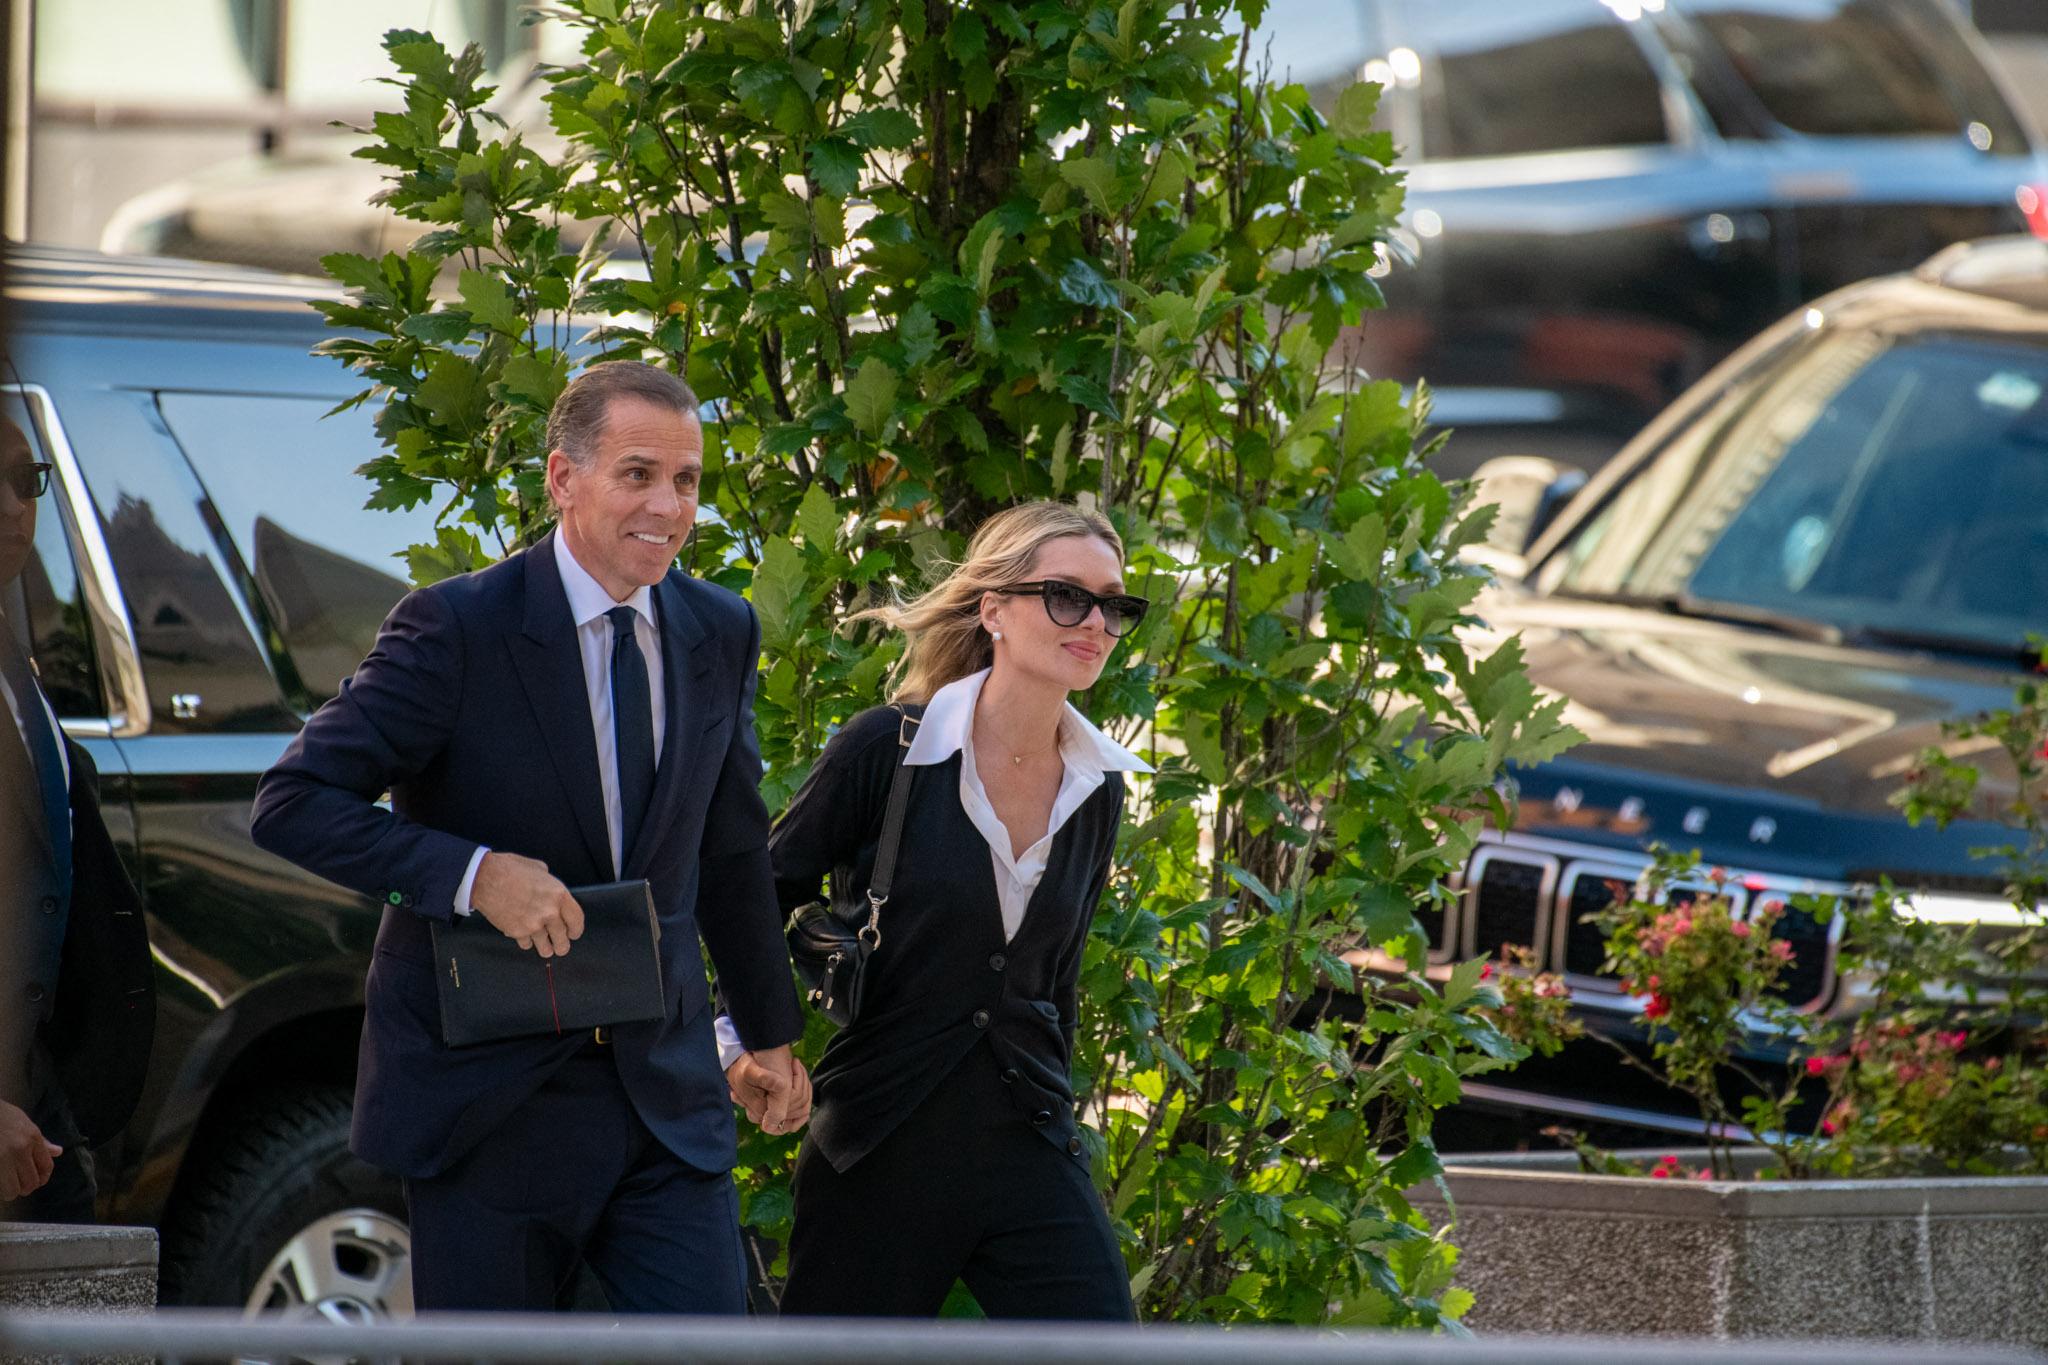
<point x="549" y="661"/>
<point x="19" y="778"/>
<point x="685" y="671"/>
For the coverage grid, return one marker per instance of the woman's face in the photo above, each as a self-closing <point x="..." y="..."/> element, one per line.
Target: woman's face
<point x="1032" y="643"/>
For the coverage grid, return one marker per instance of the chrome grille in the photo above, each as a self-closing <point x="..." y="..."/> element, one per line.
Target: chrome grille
<point x="1537" y="890"/>
<point x="1508" y="901"/>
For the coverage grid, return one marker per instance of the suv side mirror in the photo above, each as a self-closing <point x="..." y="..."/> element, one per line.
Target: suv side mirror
<point x="1530" y="491"/>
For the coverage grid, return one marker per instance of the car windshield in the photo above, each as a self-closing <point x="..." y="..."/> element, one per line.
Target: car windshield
<point x="1875" y="486"/>
<point x="1858" y="68"/>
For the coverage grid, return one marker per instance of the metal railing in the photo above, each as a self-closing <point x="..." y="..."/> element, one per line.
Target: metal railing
<point x="173" y="1335"/>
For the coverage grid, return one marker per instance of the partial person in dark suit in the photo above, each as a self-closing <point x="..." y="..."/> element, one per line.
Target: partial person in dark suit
<point x="580" y="713"/>
<point x="75" y="972"/>
<point x="945" y="1144"/>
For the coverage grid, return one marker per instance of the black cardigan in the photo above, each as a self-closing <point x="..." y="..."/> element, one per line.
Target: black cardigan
<point x="943" y="979"/>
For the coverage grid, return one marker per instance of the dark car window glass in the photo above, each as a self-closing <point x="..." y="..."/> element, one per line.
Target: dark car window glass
<point x="44" y="606"/>
<point x="195" y="640"/>
<point x="285" y="484"/>
<point x="1858" y="68"/>
<point x="1891" y="486"/>
<point x="1535" y="76"/>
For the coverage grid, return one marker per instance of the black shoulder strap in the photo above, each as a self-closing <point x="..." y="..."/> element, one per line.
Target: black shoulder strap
<point x="892" y="834"/>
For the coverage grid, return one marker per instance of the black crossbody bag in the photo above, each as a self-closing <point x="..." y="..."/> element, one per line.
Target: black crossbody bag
<point x="831" y="940"/>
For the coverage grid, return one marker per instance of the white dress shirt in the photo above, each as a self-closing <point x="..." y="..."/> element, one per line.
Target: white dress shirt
<point x="948" y="728"/>
<point x="588" y="603"/>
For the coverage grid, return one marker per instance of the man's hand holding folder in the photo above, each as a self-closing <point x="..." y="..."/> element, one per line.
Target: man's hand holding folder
<point x="527" y="903"/>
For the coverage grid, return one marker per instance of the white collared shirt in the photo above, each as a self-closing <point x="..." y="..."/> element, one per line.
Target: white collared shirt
<point x="1087" y="754"/>
<point x="588" y="603"/>
<point x="948" y="728"/>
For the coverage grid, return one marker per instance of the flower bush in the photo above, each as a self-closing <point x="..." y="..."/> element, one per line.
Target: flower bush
<point x="1930" y="1069"/>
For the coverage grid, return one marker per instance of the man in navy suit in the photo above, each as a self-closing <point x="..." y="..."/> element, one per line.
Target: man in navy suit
<point x="77" y="1001"/>
<point x="580" y="713"/>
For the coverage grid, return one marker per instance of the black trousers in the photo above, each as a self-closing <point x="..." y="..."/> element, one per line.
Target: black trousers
<point x="574" y="1175"/>
<point x="964" y="1189"/>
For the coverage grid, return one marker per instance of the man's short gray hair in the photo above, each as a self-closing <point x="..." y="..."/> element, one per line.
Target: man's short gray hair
<point x="576" y="423"/>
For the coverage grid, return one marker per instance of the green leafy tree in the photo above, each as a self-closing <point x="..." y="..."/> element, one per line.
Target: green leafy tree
<point x="923" y="260"/>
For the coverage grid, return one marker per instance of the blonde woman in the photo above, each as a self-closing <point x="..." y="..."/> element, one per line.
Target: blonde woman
<point x="942" y="1143"/>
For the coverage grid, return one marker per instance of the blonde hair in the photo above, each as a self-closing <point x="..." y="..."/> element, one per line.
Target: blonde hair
<point x="947" y="642"/>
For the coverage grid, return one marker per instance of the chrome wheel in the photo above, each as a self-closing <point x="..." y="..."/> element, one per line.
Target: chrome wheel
<point x="348" y="1267"/>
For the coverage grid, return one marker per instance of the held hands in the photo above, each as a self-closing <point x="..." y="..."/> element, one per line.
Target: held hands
<point x="27" y="1158"/>
<point x="773" y="1087"/>
<point x="524" y="901"/>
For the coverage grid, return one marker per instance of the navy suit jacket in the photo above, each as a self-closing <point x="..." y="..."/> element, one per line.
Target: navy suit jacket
<point x="471" y="711"/>
<point x="96" y="1018"/>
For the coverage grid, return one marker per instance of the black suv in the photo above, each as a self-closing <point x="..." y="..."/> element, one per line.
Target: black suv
<point x="1761" y="611"/>
<point x="1606" y="197"/>
<point x="204" y="575"/>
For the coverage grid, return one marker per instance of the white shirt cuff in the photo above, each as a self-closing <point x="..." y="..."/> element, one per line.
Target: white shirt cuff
<point x="476" y="860"/>
<point x="730" y="1048"/>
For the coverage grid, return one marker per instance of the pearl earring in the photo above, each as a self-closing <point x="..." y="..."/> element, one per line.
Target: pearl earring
<point x="997" y="634"/>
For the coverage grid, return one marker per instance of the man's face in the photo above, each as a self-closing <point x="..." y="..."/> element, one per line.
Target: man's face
<point x="627" y="512"/>
<point x="17" y="514"/>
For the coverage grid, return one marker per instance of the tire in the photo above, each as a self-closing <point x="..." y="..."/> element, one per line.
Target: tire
<point x="281" y="1219"/>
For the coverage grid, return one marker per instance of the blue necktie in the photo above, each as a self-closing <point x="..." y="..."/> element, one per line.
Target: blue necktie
<point x="41" y="741"/>
<point x="632" y="729"/>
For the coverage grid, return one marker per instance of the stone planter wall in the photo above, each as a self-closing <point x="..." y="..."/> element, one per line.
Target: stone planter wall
<point x="56" y="1267"/>
<point x="1951" y="1258"/>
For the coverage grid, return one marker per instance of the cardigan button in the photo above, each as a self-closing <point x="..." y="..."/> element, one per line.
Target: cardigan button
<point x="1073" y="1146"/>
<point x="49" y="905"/>
<point x="1041" y="1118"/>
<point x="1009" y="1075"/>
<point x="997" y="962"/>
<point x="981" y="1018"/>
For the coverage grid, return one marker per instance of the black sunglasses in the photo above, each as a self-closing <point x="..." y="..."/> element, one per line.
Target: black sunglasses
<point x="1068" y="604"/>
<point x="29" y="481"/>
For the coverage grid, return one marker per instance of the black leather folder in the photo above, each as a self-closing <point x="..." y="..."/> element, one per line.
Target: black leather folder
<point x="491" y="988"/>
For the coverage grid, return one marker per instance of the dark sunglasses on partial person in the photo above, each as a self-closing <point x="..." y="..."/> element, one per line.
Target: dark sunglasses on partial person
<point x="1068" y="604"/>
<point x="30" y="480"/>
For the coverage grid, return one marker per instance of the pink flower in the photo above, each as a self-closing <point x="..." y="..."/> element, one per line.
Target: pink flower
<point x="1718" y="875"/>
<point x="1953" y="1041"/>
<point x="1661" y="1173"/>
<point x="1668" y="1159"/>
<point x="1815" y="1066"/>
<point x="1993" y="1064"/>
<point x="1486" y="971"/>
<point x="1771" y="909"/>
<point x="1908" y="1072"/>
<point x="1739" y="929"/>
<point x="1781" y="950"/>
<point x="1657" y="1008"/>
<point x="1828" y="1127"/>
<point x="1703" y="1174"/>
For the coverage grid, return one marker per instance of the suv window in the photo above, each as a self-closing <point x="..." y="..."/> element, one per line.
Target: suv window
<point x="45" y="606"/>
<point x="1876" y="486"/>
<point x="284" y="481"/>
<point x="1854" y="68"/>
<point x="1537" y="76"/>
